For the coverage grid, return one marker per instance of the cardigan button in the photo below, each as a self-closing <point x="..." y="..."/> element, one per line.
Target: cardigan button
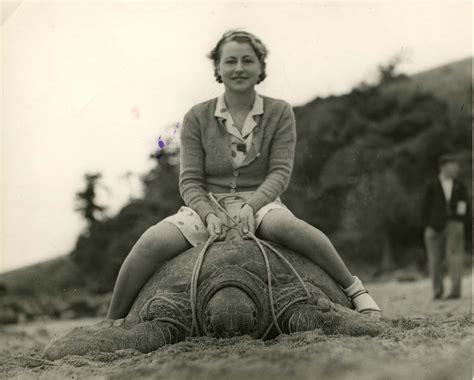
<point x="236" y="173"/>
<point x="258" y="154"/>
<point x="232" y="190"/>
<point x="233" y="185"/>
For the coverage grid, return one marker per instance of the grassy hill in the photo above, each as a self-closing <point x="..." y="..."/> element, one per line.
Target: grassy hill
<point x="364" y="157"/>
<point x="452" y="83"/>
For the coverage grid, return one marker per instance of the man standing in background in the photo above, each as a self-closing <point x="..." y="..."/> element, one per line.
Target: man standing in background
<point x="445" y="213"/>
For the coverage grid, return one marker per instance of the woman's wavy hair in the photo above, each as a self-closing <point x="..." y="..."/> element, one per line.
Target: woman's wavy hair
<point x="237" y="35"/>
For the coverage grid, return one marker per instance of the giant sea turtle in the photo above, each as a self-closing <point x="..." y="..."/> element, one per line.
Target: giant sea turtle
<point x="231" y="295"/>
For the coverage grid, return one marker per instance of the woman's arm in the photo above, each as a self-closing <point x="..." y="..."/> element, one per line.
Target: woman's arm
<point x="191" y="174"/>
<point x="280" y="164"/>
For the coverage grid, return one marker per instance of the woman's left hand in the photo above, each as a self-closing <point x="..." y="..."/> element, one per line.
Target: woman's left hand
<point x="247" y="221"/>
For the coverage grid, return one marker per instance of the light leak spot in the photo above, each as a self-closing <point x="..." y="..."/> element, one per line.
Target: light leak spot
<point x="135" y="112"/>
<point x="161" y="142"/>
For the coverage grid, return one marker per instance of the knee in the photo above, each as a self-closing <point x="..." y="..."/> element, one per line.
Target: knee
<point x="321" y="236"/>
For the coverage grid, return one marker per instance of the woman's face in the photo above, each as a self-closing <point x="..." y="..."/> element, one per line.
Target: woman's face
<point x="239" y="66"/>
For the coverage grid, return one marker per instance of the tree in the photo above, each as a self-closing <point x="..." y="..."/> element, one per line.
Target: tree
<point x="86" y="200"/>
<point x="389" y="72"/>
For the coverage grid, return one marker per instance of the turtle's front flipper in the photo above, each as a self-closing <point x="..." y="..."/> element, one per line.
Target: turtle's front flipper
<point x="331" y="318"/>
<point x="144" y="337"/>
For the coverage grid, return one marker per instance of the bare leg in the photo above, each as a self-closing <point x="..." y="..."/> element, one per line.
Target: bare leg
<point x="284" y="228"/>
<point x="157" y="244"/>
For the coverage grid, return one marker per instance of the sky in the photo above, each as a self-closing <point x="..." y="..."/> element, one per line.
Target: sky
<point x="89" y="87"/>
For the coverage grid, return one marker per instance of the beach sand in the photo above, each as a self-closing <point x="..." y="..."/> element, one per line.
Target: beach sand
<point x="431" y="340"/>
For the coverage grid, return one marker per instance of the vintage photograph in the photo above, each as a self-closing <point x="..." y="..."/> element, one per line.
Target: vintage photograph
<point x="236" y="190"/>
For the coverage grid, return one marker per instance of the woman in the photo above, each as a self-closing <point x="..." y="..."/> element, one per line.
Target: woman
<point x="238" y="149"/>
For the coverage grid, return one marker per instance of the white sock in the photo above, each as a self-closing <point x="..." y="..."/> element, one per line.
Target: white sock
<point x="360" y="298"/>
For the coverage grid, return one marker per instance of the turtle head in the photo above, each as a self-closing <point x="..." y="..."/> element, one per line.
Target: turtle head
<point x="230" y="312"/>
<point x="232" y="302"/>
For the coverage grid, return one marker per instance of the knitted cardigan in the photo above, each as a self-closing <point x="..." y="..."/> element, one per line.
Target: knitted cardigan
<point x="206" y="162"/>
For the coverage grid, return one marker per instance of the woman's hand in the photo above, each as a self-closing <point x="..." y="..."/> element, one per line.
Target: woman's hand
<point x="215" y="227"/>
<point x="247" y="221"/>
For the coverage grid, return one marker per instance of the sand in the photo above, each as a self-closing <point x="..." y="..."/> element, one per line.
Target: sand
<point x="430" y="340"/>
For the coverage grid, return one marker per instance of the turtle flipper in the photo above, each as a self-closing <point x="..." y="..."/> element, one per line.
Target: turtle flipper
<point x="331" y="318"/>
<point x="144" y="337"/>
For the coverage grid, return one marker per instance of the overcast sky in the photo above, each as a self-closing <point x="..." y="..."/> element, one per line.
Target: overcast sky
<point x="89" y="86"/>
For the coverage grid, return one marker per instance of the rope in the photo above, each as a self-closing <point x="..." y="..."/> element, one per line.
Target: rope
<point x="175" y="305"/>
<point x="269" y="281"/>
<point x="259" y="242"/>
<point x="194" y="280"/>
<point x="197" y="270"/>
<point x="296" y="300"/>
<point x="292" y="268"/>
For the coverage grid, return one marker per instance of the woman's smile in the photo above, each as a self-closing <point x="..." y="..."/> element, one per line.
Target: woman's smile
<point x="239" y="66"/>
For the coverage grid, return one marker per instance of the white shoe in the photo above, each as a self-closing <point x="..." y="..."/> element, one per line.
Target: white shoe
<point x="361" y="299"/>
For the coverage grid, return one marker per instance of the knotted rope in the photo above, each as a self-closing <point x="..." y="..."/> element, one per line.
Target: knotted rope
<point x="174" y="304"/>
<point x="198" y="265"/>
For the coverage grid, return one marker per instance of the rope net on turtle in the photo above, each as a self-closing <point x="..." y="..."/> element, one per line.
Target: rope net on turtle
<point x="260" y="243"/>
<point x="176" y="306"/>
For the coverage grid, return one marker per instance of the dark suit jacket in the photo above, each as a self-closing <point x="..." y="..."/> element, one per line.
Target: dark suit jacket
<point x="435" y="211"/>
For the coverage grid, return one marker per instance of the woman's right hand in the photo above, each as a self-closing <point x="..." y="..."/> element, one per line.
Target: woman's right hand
<point x="215" y="226"/>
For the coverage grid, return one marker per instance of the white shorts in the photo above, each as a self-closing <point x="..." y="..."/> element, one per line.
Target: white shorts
<point x="193" y="228"/>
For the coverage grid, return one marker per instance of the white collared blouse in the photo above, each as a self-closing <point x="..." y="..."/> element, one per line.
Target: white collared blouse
<point x="447" y="184"/>
<point x="241" y="142"/>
